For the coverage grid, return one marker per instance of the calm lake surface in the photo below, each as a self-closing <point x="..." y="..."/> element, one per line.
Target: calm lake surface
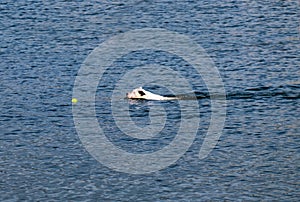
<point x="254" y="44"/>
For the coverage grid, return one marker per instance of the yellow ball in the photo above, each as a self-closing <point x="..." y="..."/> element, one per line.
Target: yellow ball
<point x="74" y="100"/>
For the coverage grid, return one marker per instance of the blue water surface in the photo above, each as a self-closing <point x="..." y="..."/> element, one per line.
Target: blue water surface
<point x="254" y="44"/>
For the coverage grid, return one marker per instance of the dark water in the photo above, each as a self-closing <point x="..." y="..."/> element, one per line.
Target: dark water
<point x="255" y="46"/>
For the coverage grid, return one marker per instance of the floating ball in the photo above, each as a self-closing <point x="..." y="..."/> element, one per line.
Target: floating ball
<point x="74" y="100"/>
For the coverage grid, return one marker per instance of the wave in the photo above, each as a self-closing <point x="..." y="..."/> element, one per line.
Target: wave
<point x="290" y="91"/>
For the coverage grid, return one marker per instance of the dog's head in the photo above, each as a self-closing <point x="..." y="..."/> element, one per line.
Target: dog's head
<point x="138" y="93"/>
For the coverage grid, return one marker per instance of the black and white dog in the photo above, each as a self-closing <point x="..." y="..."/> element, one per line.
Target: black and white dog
<point x="140" y="93"/>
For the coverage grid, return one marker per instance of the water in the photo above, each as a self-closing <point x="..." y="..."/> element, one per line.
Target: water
<point x="255" y="46"/>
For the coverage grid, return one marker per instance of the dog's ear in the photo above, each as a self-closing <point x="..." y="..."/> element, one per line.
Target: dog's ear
<point x="142" y="93"/>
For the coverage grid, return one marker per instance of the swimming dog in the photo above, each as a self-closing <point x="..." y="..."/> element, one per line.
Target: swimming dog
<point x="140" y="93"/>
